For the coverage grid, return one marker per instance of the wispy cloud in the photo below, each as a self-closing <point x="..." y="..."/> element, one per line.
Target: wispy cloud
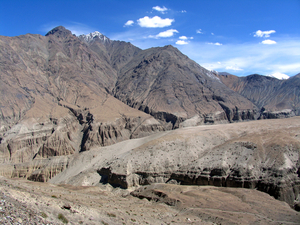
<point x="181" y="42"/>
<point x="217" y="43"/>
<point x="129" y="23"/>
<point x="160" y="9"/>
<point x="234" y="68"/>
<point x="164" y="34"/>
<point x="239" y="59"/>
<point x="247" y="58"/>
<point x="268" y="42"/>
<point x="155" y="21"/>
<point x="199" y="31"/>
<point x="267" y="33"/>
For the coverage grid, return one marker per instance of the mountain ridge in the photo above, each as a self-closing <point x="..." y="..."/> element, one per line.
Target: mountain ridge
<point x="64" y="98"/>
<point x="268" y="93"/>
<point x="163" y="82"/>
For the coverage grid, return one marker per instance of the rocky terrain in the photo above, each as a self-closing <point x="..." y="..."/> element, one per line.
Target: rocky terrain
<point x="56" y="101"/>
<point x="167" y="85"/>
<point x="61" y="95"/>
<point x="261" y="155"/>
<point x="90" y="111"/>
<point x="276" y="98"/>
<point x="25" y="202"/>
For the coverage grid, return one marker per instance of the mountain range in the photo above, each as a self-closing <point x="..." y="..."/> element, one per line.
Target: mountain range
<point x="62" y="95"/>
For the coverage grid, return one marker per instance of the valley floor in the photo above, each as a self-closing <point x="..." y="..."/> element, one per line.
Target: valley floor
<point x="26" y="202"/>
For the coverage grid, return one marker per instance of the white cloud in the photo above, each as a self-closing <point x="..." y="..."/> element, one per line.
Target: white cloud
<point x="234" y="68"/>
<point x="183" y="38"/>
<point x="155" y="21"/>
<point x="186" y="38"/>
<point x="162" y="10"/>
<point x="183" y="11"/>
<point x="260" y="33"/>
<point x="212" y="34"/>
<point x="164" y="34"/>
<point x="289" y="66"/>
<point x="278" y="75"/>
<point x="129" y="23"/>
<point x="181" y="42"/>
<point x="251" y="57"/>
<point x="217" y="43"/>
<point x="199" y="31"/>
<point x="268" y="42"/>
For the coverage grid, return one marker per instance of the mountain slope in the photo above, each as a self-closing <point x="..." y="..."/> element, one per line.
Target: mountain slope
<point x="171" y="87"/>
<point x="116" y="53"/>
<point x="267" y="93"/>
<point x="55" y="99"/>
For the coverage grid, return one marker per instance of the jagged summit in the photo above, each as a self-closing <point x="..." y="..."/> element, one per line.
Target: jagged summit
<point x="92" y="36"/>
<point x="59" y="31"/>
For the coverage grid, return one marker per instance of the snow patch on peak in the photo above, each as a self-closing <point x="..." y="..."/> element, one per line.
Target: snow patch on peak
<point x="280" y="76"/>
<point x="91" y="36"/>
<point x="213" y="74"/>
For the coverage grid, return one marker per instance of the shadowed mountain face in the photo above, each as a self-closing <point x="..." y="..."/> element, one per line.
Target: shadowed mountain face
<point x="267" y="93"/>
<point x="171" y="87"/>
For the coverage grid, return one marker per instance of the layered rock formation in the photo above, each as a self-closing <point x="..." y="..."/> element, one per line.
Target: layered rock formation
<point x="261" y="154"/>
<point x="40" y="203"/>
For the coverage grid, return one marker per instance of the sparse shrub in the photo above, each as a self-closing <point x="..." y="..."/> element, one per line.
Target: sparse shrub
<point x="133" y="220"/>
<point x="104" y="223"/>
<point x="53" y="196"/>
<point x="44" y="215"/>
<point x="62" y="218"/>
<point x="111" y="214"/>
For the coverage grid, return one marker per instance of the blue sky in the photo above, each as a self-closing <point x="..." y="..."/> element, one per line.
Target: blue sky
<point x="241" y="37"/>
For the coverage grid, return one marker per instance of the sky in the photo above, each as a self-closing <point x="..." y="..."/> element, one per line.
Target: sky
<point x="241" y="37"/>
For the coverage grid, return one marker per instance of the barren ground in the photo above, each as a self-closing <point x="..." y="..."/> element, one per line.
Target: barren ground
<point x="26" y="202"/>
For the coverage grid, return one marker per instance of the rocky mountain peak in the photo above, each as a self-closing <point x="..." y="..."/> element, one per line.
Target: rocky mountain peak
<point x="93" y="36"/>
<point x="59" y="31"/>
